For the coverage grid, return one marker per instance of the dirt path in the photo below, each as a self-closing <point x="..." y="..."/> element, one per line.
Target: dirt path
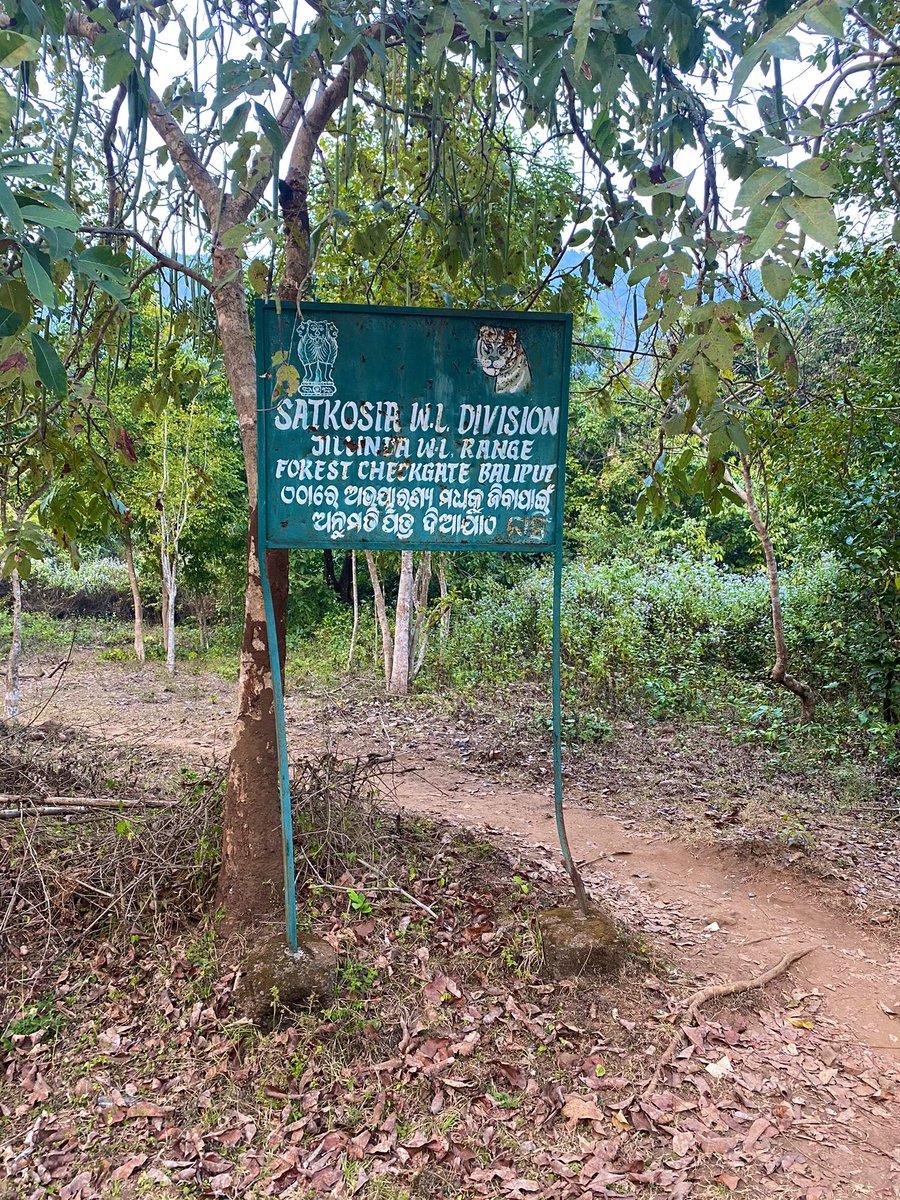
<point x="724" y="916"/>
<point x="733" y="921"/>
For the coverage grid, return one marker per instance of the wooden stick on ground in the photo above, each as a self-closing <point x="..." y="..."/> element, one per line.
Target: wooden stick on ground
<point x="714" y="991"/>
<point x="47" y="805"/>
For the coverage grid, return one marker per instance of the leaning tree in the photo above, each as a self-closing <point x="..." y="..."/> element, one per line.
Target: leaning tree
<point x="187" y="138"/>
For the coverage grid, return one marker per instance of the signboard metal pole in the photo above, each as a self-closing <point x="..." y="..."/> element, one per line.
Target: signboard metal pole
<point x="577" y="882"/>
<point x="284" y="782"/>
<point x="262" y="541"/>
<point x="556" y="682"/>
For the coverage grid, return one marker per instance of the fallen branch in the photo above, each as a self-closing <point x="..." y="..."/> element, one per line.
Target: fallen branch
<point x="395" y="887"/>
<point x="713" y="992"/>
<point x="53" y="805"/>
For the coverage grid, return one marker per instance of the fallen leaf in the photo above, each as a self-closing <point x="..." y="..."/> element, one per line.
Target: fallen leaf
<point x="129" y="1166"/>
<point x="580" y="1108"/>
<point x="441" y="988"/>
<point x="145" y="1108"/>
<point x="719" y="1069"/>
<point x="682" y="1142"/>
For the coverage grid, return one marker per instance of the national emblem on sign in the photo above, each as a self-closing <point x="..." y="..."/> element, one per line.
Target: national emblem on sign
<point x="317" y="349"/>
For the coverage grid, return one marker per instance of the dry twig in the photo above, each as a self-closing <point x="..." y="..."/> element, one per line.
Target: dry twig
<point x="714" y="991"/>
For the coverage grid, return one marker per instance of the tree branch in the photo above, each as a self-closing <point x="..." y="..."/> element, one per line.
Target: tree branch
<point x="295" y="193"/>
<point x="78" y="25"/>
<point x="163" y="259"/>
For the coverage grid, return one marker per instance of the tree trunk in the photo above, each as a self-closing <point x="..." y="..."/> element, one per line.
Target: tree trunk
<point x="400" y="669"/>
<point x="169" y="592"/>
<point x="250" y="885"/>
<point x="328" y="569"/>
<point x="354" y="587"/>
<point x="779" y="673"/>
<point x="345" y="579"/>
<point x="164" y="608"/>
<point x="136" y="599"/>
<point x="420" y="624"/>
<point x="445" y="605"/>
<point x="387" y="640"/>
<point x="13" y="696"/>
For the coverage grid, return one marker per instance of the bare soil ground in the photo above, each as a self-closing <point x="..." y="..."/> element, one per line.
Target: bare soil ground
<point x="683" y="838"/>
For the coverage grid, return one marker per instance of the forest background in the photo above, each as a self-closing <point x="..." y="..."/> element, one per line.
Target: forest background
<point x="741" y="415"/>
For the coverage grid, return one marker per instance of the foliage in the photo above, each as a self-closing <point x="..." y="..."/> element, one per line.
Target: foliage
<point x="427" y="91"/>
<point x="660" y="637"/>
<point x="92" y="576"/>
<point x="484" y="233"/>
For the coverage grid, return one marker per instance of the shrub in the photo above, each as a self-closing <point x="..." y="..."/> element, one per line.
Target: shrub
<point x="655" y="636"/>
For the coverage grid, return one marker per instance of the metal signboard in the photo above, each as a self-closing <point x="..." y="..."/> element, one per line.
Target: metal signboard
<point x="410" y="429"/>
<point x="393" y="428"/>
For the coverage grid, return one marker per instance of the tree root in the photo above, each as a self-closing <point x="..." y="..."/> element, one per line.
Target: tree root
<point x="714" y="991"/>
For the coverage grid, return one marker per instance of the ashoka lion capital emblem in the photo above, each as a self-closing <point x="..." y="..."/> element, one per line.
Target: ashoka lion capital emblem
<point x="317" y="349"/>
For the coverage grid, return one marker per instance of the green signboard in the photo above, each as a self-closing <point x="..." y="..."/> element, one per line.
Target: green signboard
<point x="394" y="428"/>
<point x="410" y="429"/>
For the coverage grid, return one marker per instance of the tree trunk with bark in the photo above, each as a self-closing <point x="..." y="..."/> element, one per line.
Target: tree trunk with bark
<point x="387" y="638"/>
<point x="13" y="697"/>
<point x="136" y="599"/>
<point x="400" y="667"/>
<point x="779" y="672"/>
<point x="169" y="594"/>
<point x="249" y="885"/>
<point x="420" y="619"/>
<point x="250" y="878"/>
<point x="354" y="588"/>
<point x="445" y="605"/>
<point x="164" y="611"/>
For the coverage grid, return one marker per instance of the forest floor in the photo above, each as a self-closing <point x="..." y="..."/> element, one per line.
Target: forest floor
<point x="718" y="858"/>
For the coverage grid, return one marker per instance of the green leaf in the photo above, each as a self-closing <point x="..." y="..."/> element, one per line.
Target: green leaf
<point x="258" y="276"/>
<point x="10" y="208"/>
<point x="16" y="48"/>
<point x="826" y="17"/>
<point x="770" y="147"/>
<point x="23" y="170"/>
<point x="759" y="186"/>
<point x="735" y="431"/>
<point x="234" y="238"/>
<point x="581" y="30"/>
<point x="438" y="32"/>
<point x="116" y="69"/>
<point x="7" y="107"/>
<point x="766" y="226"/>
<point x="717" y="345"/>
<point x="50" y="370"/>
<point x="57" y="216"/>
<point x="816" y="218"/>
<point x="10" y="322"/>
<point x="109" y="42"/>
<point x="762" y="44"/>
<point x="816" y="177"/>
<point x="676" y="186"/>
<point x="39" y="282"/>
<point x="271" y="129"/>
<point x="469" y="12"/>
<point x="718" y="443"/>
<point x="14" y="296"/>
<point x="236" y="122"/>
<point x="703" y="381"/>
<point x="777" y="278"/>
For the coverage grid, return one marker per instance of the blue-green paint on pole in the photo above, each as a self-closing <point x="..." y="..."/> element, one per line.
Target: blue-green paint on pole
<point x="410" y="429"/>
<point x="284" y="782"/>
